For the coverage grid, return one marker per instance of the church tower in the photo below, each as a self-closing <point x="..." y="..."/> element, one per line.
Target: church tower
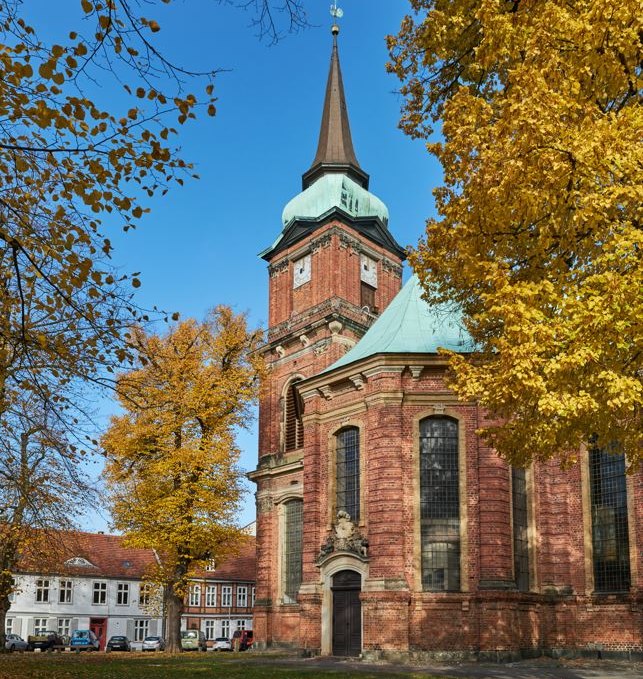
<point x="332" y="270"/>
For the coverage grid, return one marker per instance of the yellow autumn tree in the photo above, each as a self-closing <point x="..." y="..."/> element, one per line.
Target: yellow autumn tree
<point x="539" y="236"/>
<point x="171" y="468"/>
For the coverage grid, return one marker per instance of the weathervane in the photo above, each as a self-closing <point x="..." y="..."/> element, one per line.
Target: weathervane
<point x="336" y="11"/>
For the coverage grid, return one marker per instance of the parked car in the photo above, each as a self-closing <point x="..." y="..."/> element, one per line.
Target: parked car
<point x="84" y="640"/>
<point x="242" y="639"/>
<point x="193" y="640"/>
<point x="221" y="644"/>
<point x="118" y="643"/>
<point x="14" y="642"/>
<point x="153" y="644"/>
<point x="45" y="641"/>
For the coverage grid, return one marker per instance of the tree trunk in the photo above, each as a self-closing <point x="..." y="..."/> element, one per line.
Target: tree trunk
<point x="6" y="586"/>
<point x="173" y="610"/>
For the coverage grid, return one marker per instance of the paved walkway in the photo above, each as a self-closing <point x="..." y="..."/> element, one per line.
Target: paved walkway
<point x="541" y="668"/>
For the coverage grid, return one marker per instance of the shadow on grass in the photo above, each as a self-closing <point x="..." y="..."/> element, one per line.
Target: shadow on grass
<point x="182" y="666"/>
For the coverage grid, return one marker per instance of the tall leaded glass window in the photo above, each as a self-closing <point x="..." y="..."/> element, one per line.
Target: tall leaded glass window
<point x="520" y="528"/>
<point x="347" y="472"/>
<point x="293" y="531"/>
<point x="439" y="504"/>
<point x="293" y="426"/>
<point x="611" y="547"/>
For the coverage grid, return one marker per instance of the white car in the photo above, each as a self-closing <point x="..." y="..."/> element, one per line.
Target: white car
<point x="221" y="644"/>
<point x="14" y="642"/>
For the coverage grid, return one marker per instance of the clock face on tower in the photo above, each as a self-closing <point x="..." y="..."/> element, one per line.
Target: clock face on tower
<point x="301" y="272"/>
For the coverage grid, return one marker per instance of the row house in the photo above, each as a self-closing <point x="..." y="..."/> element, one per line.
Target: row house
<point x="221" y="596"/>
<point x="92" y="581"/>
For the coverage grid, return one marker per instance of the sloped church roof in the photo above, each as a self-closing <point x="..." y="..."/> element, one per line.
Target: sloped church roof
<point x="410" y="325"/>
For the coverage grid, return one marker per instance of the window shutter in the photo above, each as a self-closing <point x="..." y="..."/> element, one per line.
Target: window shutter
<point x="153" y="627"/>
<point x="74" y="624"/>
<point x="17" y="625"/>
<point x="293" y="435"/>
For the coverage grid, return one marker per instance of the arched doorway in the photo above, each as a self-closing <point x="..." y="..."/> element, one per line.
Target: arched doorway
<point x="347" y="613"/>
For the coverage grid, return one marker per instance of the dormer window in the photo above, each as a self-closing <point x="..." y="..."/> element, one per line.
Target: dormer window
<point x="79" y="561"/>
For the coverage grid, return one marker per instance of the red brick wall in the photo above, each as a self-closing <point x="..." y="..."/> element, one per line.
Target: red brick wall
<point x="487" y="617"/>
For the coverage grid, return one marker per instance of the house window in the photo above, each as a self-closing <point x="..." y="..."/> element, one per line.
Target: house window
<point x="347" y="472"/>
<point x="241" y="624"/>
<point x="65" y="588"/>
<point x="42" y="591"/>
<point x="211" y="595"/>
<point x="122" y="594"/>
<point x="100" y="593"/>
<point x="64" y="626"/>
<point x="144" y="593"/>
<point x="195" y="595"/>
<point x="226" y="596"/>
<point x="242" y="597"/>
<point x="209" y="629"/>
<point x="292" y="546"/>
<point x="439" y="504"/>
<point x="520" y="528"/>
<point x="225" y="628"/>
<point x="211" y="566"/>
<point x="610" y="540"/>
<point x="293" y="426"/>
<point x="8" y="625"/>
<point x="40" y="626"/>
<point x="141" y="628"/>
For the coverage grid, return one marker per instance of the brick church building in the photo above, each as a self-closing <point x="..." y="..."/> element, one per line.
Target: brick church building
<point x="385" y="526"/>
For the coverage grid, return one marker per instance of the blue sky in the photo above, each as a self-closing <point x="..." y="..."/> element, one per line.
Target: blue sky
<point x="198" y="246"/>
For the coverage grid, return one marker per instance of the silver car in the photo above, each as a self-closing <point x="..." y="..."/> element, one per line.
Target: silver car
<point x="14" y="642"/>
<point x="153" y="644"/>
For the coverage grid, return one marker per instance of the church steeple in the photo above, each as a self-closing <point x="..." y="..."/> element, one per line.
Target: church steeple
<point x="335" y="151"/>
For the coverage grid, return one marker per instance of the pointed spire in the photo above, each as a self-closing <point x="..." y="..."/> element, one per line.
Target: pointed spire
<point x="335" y="151"/>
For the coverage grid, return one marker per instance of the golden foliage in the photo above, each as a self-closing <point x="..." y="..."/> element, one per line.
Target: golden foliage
<point x="539" y="237"/>
<point x="171" y="457"/>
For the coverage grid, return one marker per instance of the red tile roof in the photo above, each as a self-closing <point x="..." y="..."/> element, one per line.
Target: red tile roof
<point x="242" y="567"/>
<point x="106" y="554"/>
<point x="51" y="552"/>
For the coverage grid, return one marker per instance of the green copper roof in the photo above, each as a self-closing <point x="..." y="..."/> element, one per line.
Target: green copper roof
<point x="410" y="325"/>
<point x="335" y="190"/>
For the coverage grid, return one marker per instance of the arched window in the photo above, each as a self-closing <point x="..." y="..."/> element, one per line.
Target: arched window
<point x="347" y="472"/>
<point x="610" y="540"/>
<point x="292" y="549"/>
<point x="293" y="426"/>
<point x="520" y="528"/>
<point x="439" y="504"/>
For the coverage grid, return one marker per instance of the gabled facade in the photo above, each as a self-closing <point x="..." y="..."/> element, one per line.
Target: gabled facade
<point x="385" y="526"/>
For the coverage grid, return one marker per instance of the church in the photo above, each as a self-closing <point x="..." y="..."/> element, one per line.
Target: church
<point x="386" y="528"/>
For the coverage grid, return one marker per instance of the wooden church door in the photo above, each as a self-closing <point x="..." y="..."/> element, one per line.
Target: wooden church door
<point x="347" y="614"/>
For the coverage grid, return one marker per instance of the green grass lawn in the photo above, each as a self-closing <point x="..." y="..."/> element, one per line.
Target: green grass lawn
<point x="161" y="666"/>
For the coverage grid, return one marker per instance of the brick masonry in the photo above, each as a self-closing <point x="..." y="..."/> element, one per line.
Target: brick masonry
<point x="385" y="396"/>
